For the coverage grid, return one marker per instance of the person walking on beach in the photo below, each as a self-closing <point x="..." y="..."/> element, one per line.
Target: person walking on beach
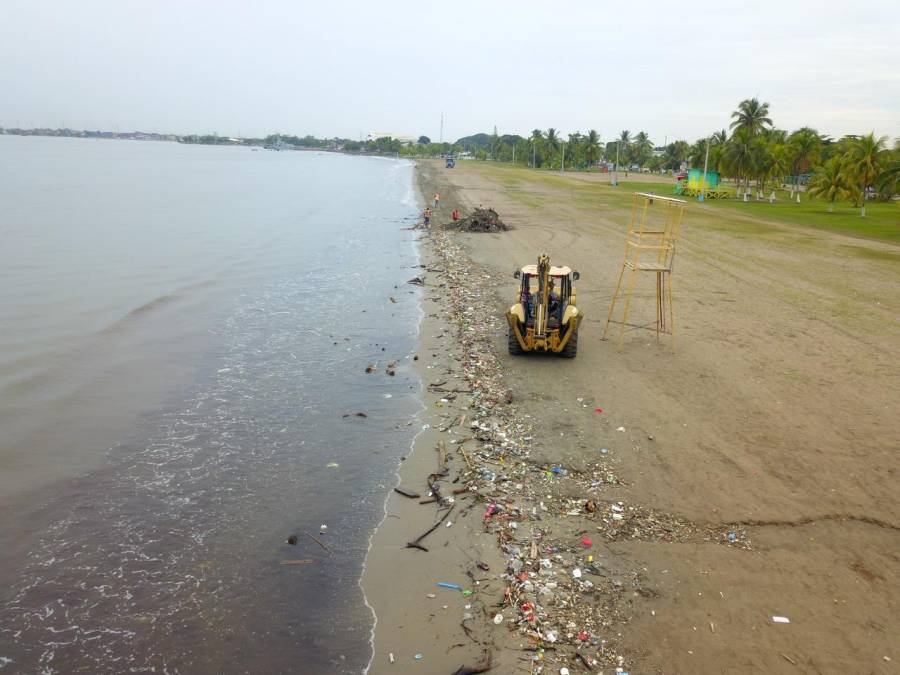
<point x="427" y="216"/>
<point x="455" y="215"/>
<point x="437" y="200"/>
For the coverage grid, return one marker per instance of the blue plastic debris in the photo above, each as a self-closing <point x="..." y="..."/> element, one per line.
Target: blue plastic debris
<point x="453" y="587"/>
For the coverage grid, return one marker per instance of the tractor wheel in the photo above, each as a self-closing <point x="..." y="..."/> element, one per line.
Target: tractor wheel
<point x="571" y="348"/>
<point x="513" y="344"/>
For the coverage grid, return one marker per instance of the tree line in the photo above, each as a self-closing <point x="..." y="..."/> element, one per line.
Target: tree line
<point x="753" y="151"/>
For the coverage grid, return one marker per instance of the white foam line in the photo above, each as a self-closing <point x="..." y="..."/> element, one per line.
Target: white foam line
<point x="412" y="445"/>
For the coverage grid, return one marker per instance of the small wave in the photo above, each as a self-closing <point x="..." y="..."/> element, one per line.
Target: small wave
<point x="161" y="301"/>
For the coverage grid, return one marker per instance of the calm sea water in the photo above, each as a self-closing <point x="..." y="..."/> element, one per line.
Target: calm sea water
<point x="182" y="332"/>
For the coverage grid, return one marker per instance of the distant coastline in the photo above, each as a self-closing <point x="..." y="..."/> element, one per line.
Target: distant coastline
<point x="379" y="146"/>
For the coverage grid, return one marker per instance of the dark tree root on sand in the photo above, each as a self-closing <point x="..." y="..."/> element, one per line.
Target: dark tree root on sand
<point x="417" y="542"/>
<point x="407" y="493"/>
<point x="481" y="667"/>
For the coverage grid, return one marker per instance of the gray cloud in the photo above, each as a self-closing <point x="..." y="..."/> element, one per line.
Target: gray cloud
<point x="345" y="68"/>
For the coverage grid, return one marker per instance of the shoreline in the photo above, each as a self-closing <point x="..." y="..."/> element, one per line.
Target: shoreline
<point x="696" y="481"/>
<point x="464" y="633"/>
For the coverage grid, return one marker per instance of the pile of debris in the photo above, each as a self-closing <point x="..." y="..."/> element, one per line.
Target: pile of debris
<point x="563" y="600"/>
<point x="480" y="220"/>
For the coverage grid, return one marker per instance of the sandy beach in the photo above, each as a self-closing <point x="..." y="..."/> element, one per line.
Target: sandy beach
<point x="750" y="474"/>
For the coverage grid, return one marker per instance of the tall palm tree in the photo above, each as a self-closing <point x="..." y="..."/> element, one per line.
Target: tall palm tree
<point x="641" y="148"/>
<point x="887" y="179"/>
<point x="781" y="160"/>
<point x="676" y="152"/>
<point x="805" y="146"/>
<point x="552" y="143"/>
<point x="751" y="116"/>
<point x="739" y="155"/>
<point x="763" y="163"/>
<point x="592" y="146"/>
<point x="536" y="137"/>
<point x="864" y="161"/>
<point x="552" y="138"/>
<point x="830" y="183"/>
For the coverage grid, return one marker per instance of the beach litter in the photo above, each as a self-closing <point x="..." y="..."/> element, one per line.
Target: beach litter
<point x="480" y="220"/>
<point x="447" y="584"/>
<point x="554" y="599"/>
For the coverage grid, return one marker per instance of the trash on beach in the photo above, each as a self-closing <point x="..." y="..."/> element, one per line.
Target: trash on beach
<point x="407" y="493"/>
<point x="370" y="368"/>
<point x="292" y="540"/>
<point x="332" y="465"/>
<point x="480" y="220"/>
<point x="419" y="657"/>
<point x="498" y="619"/>
<point x="392" y="299"/>
<point x="323" y="528"/>
<point x="598" y="410"/>
<point x="620" y="428"/>
<point x="447" y="584"/>
<point x="781" y="619"/>
<point x="304" y="561"/>
<point x="417" y="281"/>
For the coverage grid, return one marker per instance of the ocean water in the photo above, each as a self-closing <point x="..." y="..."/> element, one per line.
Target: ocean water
<point x="183" y="337"/>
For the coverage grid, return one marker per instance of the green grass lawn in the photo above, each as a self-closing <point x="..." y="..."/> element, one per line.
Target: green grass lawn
<point x="882" y="221"/>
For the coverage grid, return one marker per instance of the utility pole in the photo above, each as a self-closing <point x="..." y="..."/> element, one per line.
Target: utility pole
<point x="442" y="127"/>
<point x="705" y="164"/>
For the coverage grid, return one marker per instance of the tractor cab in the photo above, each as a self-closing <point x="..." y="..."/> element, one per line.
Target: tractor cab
<point x="559" y="294"/>
<point x="545" y="317"/>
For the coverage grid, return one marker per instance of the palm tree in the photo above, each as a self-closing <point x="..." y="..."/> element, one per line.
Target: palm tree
<point x="551" y="140"/>
<point x="830" y="183"/>
<point x="641" y="148"/>
<point x="697" y="153"/>
<point x="739" y="155"/>
<point x="751" y="116"/>
<point x="676" y="152"/>
<point x="574" y="147"/>
<point x="887" y="179"/>
<point x="806" y="147"/>
<point x="591" y="146"/>
<point x="536" y="137"/>
<point x="864" y="162"/>
<point x="781" y="160"/>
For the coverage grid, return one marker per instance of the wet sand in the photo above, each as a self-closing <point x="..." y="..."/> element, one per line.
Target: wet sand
<point x="774" y="420"/>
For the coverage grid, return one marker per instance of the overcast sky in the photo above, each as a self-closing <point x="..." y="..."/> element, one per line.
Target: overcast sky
<point x="673" y="69"/>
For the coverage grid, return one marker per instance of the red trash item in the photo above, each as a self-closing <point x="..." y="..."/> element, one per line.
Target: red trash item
<point x="598" y="410"/>
<point x="583" y="636"/>
<point x="586" y="542"/>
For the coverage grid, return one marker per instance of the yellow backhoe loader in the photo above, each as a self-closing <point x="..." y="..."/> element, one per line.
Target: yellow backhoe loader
<point x="545" y="318"/>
